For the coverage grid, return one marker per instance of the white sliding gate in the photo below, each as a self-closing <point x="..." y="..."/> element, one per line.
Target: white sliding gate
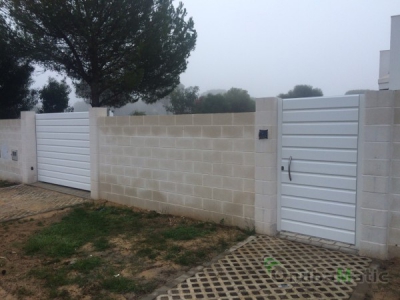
<point x="63" y="149"/>
<point x="319" y="154"/>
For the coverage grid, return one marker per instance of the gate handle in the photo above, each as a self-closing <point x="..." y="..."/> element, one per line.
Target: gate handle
<point x="290" y="162"/>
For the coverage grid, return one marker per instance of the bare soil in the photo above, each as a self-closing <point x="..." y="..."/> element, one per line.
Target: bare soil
<point x="391" y="289"/>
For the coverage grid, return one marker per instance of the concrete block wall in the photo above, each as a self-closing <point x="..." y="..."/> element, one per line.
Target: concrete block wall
<point x="200" y="166"/>
<point x="380" y="199"/>
<point x="266" y="156"/>
<point x="20" y="135"/>
<point x="10" y="139"/>
<point x="394" y="209"/>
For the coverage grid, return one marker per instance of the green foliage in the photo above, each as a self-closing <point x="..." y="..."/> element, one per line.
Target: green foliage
<point x="188" y="232"/>
<point x="15" y="78"/>
<point x="302" y="91"/>
<point x="122" y="50"/>
<point x="78" y="228"/>
<point x="182" y="100"/>
<point x="86" y="265"/>
<point x="356" y="92"/>
<point x="233" y="101"/>
<point x="138" y="113"/>
<point x="54" y="96"/>
<point x="123" y="285"/>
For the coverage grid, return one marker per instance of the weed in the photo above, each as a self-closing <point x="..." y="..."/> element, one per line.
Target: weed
<point x="62" y="294"/>
<point x="120" y="285"/>
<point x="23" y="292"/>
<point x="53" y="278"/>
<point x="40" y="223"/>
<point x="101" y="244"/>
<point x="87" y="264"/>
<point x="152" y="214"/>
<point x="189" y="257"/>
<point x="4" y="183"/>
<point x="147" y="252"/>
<point x="184" y="233"/>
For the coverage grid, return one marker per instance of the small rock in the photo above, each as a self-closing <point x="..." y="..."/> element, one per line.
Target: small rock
<point x="72" y="261"/>
<point x="3" y="272"/>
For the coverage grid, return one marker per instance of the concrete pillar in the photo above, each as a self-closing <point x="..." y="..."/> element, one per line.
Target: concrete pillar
<point x="94" y="114"/>
<point x="266" y="159"/>
<point x="28" y="155"/>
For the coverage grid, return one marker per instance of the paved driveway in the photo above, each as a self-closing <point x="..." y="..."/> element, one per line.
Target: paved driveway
<point x="23" y="200"/>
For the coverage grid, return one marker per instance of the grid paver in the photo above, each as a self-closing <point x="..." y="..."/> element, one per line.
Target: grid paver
<point x="242" y="274"/>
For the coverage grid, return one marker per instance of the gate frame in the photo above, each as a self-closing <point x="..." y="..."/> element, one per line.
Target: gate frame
<point x="360" y="166"/>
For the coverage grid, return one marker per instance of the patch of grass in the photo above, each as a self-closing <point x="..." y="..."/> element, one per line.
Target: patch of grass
<point x="86" y="265"/>
<point x="120" y="285"/>
<point x="59" y="294"/>
<point x="101" y="244"/>
<point x="53" y="278"/>
<point x="81" y="226"/>
<point x="190" y="257"/>
<point x="4" y="183"/>
<point x="147" y="252"/>
<point x="188" y="232"/>
<point x="23" y="292"/>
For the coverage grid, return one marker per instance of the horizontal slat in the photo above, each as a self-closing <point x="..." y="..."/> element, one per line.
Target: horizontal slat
<point x="63" y="136"/>
<point x="325" y="129"/>
<point x="348" y="156"/>
<point x="340" y="209"/>
<point x="53" y="142"/>
<point x="319" y="193"/>
<point x="344" y="142"/>
<point x="321" y="102"/>
<point x="318" y="219"/>
<point x="309" y="116"/>
<point x="66" y="163"/>
<point x="64" y="169"/>
<point x="73" y="184"/>
<point x="59" y="116"/>
<point x="326" y="181"/>
<point x="324" y="168"/>
<point x="64" y="149"/>
<point x="319" y="231"/>
<point x="65" y="122"/>
<point x="63" y="129"/>
<point x="64" y="176"/>
<point x="64" y="156"/>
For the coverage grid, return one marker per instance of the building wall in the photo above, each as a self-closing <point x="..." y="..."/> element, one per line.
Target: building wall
<point x="10" y="139"/>
<point x="266" y="166"/>
<point x="394" y="221"/>
<point x="200" y="166"/>
<point x="380" y="201"/>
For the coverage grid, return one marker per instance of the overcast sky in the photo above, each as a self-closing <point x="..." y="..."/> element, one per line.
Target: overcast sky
<point x="269" y="46"/>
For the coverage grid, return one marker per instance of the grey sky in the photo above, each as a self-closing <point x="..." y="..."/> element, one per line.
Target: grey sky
<point x="267" y="47"/>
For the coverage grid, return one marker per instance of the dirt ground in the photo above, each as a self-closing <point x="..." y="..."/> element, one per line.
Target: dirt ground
<point x="126" y="260"/>
<point x="391" y="289"/>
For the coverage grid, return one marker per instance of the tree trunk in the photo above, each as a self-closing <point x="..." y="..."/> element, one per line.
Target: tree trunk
<point x="94" y="95"/>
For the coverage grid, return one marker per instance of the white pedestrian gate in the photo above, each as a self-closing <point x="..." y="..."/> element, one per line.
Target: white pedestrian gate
<point x="63" y="149"/>
<point x="319" y="153"/>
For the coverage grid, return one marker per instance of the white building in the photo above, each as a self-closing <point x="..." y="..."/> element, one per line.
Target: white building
<point x="389" y="70"/>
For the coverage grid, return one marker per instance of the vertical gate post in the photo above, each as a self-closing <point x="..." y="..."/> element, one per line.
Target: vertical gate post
<point x="28" y="154"/>
<point x="266" y="159"/>
<point x="94" y="114"/>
